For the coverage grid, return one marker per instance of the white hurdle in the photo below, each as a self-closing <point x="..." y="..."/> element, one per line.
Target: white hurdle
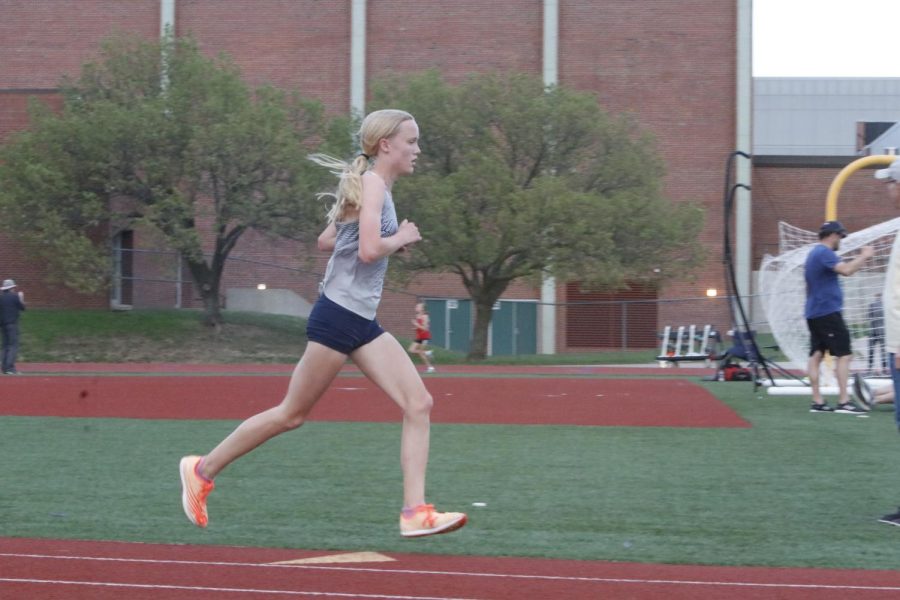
<point x="664" y="346"/>
<point x="685" y="339"/>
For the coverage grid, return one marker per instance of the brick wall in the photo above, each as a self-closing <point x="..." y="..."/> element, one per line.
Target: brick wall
<point x="292" y="44"/>
<point x="458" y="38"/>
<point x="670" y="64"/>
<point x="16" y="261"/>
<point x="667" y="63"/>
<point x="14" y="108"/>
<point x="797" y="196"/>
<point x="31" y="275"/>
<point x="41" y="40"/>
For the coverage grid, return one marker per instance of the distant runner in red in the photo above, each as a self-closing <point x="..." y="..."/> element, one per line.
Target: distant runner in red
<point x="422" y="337"/>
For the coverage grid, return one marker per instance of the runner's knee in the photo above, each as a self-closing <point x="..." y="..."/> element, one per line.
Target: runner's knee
<point x="418" y="405"/>
<point x="288" y="419"/>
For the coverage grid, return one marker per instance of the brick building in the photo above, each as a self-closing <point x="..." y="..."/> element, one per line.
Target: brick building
<point x="674" y="65"/>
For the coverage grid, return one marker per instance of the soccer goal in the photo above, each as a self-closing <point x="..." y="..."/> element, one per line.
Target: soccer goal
<point x="783" y="288"/>
<point x="783" y="293"/>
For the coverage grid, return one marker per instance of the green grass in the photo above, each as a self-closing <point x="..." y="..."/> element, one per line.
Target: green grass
<point x="46" y="326"/>
<point x="53" y="335"/>
<point x="794" y="490"/>
<point x="50" y="335"/>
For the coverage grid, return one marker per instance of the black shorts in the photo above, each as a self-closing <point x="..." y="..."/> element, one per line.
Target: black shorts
<point x="423" y="342"/>
<point x="829" y="332"/>
<point x="332" y="325"/>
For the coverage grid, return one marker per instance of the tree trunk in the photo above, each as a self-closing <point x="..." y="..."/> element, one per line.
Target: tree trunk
<point x="484" y="310"/>
<point x="212" y="309"/>
<point x="207" y="281"/>
<point x="209" y="276"/>
<point x="484" y="291"/>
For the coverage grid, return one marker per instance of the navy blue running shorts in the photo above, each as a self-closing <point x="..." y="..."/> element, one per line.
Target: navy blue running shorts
<point x="332" y="325"/>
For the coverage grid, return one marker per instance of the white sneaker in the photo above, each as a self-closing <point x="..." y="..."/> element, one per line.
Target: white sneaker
<point x="427" y="521"/>
<point x="430" y="370"/>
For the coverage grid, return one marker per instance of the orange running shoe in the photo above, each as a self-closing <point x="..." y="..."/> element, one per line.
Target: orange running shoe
<point x="427" y="521"/>
<point x="194" y="490"/>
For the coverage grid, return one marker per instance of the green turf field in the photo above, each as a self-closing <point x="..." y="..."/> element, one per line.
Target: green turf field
<point x="797" y="489"/>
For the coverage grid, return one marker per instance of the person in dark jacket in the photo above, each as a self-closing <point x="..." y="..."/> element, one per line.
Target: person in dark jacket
<point x="12" y="302"/>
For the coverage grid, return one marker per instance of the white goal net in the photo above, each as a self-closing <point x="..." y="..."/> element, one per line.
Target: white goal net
<point x="783" y="291"/>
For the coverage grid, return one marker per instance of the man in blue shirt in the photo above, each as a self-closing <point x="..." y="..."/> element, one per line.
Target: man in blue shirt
<point x="824" y="303"/>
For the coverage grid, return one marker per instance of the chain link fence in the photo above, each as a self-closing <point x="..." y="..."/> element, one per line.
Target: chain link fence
<point x="160" y="279"/>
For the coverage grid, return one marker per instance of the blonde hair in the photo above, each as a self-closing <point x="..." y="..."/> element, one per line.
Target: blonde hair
<point x="375" y="127"/>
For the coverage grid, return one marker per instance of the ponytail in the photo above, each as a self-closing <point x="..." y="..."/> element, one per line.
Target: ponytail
<point x="348" y="196"/>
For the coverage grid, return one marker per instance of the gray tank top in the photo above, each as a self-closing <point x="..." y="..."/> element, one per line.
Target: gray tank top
<point x="349" y="282"/>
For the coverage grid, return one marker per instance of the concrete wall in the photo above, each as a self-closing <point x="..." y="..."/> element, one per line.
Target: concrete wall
<point x="271" y="301"/>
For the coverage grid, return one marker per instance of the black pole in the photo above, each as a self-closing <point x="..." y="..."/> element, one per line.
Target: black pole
<point x="738" y="315"/>
<point x="739" y="318"/>
<point x="727" y="260"/>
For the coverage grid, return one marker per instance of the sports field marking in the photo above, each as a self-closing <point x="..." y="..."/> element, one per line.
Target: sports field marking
<point x="514" y="576"/>
<point x="192" y="588"/>
<point x="347" y="557"/>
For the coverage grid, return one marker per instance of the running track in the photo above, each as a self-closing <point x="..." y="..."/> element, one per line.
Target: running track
<point x="76" y="570"/>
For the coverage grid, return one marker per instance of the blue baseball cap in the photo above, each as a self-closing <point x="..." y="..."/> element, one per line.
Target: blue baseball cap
<point x="833" y="227"/>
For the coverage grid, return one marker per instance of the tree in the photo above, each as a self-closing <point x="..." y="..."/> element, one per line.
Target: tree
<point x="518" y="181"/>
<point x="156" y="134"/>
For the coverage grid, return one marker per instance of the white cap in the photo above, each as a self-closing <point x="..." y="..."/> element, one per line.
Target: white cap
<point x="8" y="284"/>
<point x="892" y="172"/>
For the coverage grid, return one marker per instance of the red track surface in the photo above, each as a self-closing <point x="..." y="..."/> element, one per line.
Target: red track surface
<point x="76" y="570"/>
<point x="524" y="401"/>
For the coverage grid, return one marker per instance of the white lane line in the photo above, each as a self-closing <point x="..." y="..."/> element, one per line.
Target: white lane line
<point x="749" y="584"/>
<point x="193" y="588"/>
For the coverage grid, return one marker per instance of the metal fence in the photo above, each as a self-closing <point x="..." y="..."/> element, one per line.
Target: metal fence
<point x="520" y="325"/>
